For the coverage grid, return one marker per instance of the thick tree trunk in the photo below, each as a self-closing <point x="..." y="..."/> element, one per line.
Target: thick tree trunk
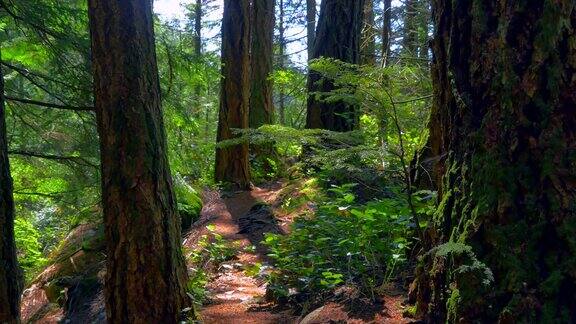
<point x="232" y="161"/>
<point x="261" y="105"/>
<point x="368" y="43"/>
<point x="10" y="274"/>
<point x="337" y="36"/>
<point x="504" y="121"/>
<point x="310" y="26"/>
<point x="146" y="274"/>
<point x="386" y="32"/>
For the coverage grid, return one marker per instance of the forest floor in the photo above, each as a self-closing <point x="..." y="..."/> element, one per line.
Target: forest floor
<point x="234" y="296"/>
<point x="70" y="290"/>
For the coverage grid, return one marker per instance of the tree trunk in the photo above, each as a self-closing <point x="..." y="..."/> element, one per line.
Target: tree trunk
<point x="504" y="123"/>
<point x="232" y="161"/>
<point x="281" y="63"/>
<point x="368" y="43"/>
<point x="338" y="37"/>
<point x="198" y="54"/>
<point x="423" y="14"/>
<point x="261" y="105"/>
<point x="410" y="37"/>
<point x="146" y="274"/>
<point x="310" y="25"/>
<point x="386" y="32"/>
<point x="10" y="274"/>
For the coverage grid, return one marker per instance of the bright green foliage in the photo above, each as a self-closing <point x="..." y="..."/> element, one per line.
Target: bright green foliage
<point x="28" y="247"/>
<point x="343" y="242"/>
<point x="189" y="202"/>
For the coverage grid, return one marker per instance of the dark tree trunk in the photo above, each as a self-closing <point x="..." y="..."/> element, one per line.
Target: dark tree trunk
<point x="504" y="124"/>
<point x="423" y="14"/>
<point x="10" y="275"/>
<point x="232" y="161"/>
<point x="386" y="32"/>
<point x="337" y="36"/>
<point x="368" y="43"/>
<point x="310" y="25"/>
<point x="410" y="37"/>
<point x="261" y="105"/>
<point x="146" y="274"/>
<point x="282" y="63"/>
<point x="198" y="54"/>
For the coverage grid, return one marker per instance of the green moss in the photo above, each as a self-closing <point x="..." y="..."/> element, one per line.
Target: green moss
<point x="452" y="306"/>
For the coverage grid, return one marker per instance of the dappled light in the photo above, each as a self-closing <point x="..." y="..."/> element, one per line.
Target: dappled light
<point x="287" y="161"/>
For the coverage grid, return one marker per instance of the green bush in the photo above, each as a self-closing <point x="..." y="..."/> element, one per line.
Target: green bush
<point x="342" y="243"/>
<point x="28" y="247"/>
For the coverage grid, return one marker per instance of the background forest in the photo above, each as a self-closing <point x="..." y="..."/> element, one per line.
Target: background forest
<point x="54" y="157"/>
<point x="408" y="147"/>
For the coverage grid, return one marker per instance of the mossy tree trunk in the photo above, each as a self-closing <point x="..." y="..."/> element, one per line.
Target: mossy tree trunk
<point x="504" y="125"/>
<point x="338" y="36"/>
<point x="10" y="275"/>
<point x="146" y="274"/>
<point x="232" y="161"/>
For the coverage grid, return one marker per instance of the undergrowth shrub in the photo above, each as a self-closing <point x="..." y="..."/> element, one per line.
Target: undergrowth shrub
<point x="28" y="247"/>
<point x="342" y="242"/>
<point x="189" y="202"/>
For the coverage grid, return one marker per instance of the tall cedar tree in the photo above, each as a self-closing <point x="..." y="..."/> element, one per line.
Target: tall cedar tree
<point x="310" y="26"/>
<point x="281" y="62"/>
<point x="504" y="126"/>
<point x="198" y="54"/>
<point x="146" y="274"/>
<point x="232" y="161"/>
<point x="338" y="36"/>
<point x="261" y="105"/>
<point x="10" y="275"/>
<point x="410" y="29"/>
<point x="368" y="45"/>
<point x="386" y="31"/>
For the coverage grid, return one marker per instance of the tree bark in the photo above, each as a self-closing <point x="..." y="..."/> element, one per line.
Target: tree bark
<point x="146" y="274"/>
<point x="310" y="26"/>
<point x="386" y="32"/>
<point x="423" y="14"/>
<point x="504" y="124"/>
<point x="281" y="63"/>
<point x="198" y="54"/>
<point x="261" y="105"/>
<point x="232" y="161"/>
<point x="338" y="36"/>
<point x="368" y="42"/>
<point x="10" y="274"/>
<point x="410" y="37"/>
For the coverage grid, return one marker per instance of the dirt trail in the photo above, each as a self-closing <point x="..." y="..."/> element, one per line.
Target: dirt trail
<point x="234" y="296"/>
